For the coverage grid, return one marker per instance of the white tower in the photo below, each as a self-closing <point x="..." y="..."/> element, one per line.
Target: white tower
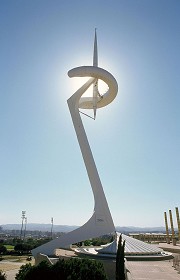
<point x="101" y="221"/>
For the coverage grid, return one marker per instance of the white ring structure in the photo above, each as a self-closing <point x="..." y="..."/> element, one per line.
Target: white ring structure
<point x="97" y="73"/>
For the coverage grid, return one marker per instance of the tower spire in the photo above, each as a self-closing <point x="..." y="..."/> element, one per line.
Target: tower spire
<point x="95" y="84"/>
<point x="95" y="54"/>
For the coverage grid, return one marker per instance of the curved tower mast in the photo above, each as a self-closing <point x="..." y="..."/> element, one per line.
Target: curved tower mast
<point x="101" y="221"/>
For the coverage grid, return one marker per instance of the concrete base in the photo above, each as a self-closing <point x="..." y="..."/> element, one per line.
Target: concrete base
<point x="168" y="240"/>
<point x="174" y="241"/>
<point x="41" y="257"/>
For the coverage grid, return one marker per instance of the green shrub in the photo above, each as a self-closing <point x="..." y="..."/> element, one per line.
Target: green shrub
<point x="2" y="275"/>
<point x="24" y="270"/>
<point x="72" y="269"/>
<point x="3" y="249"/>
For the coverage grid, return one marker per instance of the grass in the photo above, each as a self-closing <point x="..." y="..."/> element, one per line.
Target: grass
<point x="9" y="247"/>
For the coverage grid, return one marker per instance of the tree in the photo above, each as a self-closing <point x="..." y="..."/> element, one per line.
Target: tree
<point x="24" y="270"/>
<point x="71" y="269"/>
<point x="23" y="248"/>
<point x="3" y="250"/>
<point x="120" y="268"/>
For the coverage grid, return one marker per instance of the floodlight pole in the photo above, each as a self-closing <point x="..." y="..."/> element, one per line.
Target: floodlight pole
<point x="23" y="217"/>
<point x="52" y="227"/>
<point x="25" y="227"/>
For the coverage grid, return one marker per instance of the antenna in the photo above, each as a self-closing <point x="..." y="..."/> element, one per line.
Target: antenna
<point x="95" y="53"/>
<point x="95" y="84"/>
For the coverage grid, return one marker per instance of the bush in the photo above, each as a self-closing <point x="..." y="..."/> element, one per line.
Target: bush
<point x="22" y="248"/>
<point x="24" y="270"/>
<point x="72" y="269"/>
<point x="2" y="275"/>
<point x="3" y="250"/>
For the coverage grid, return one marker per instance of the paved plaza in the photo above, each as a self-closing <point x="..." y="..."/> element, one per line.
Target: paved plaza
<point x="153" y="270"/>
<point x="157" y="270"/>
<point x="11" y="274"/>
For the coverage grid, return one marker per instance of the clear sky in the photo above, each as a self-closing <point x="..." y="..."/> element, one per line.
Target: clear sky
<point x="135" y="140"/>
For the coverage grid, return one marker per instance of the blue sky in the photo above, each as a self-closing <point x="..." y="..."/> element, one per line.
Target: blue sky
<point x="135" y="140"/>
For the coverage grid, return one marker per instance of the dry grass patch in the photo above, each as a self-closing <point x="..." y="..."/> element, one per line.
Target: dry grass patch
<point x="9" y="266"/>
<point x="11" y="263"/>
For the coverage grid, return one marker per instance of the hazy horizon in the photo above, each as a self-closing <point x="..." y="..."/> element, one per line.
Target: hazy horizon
<point x="73" y="225"/>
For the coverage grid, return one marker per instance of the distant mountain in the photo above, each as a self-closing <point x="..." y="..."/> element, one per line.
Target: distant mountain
<point x="131" y="229"/>
<point x="40" y="227"/>
<point x="66" y="228"/>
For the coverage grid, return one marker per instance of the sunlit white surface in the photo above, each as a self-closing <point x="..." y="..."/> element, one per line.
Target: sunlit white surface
<point x="133" y="249"/>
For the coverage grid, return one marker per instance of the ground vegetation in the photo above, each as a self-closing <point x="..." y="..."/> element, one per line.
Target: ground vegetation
<point x="120" y="266"/>
<point x="72" y="269"/>
<point x="2" y="275"/>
